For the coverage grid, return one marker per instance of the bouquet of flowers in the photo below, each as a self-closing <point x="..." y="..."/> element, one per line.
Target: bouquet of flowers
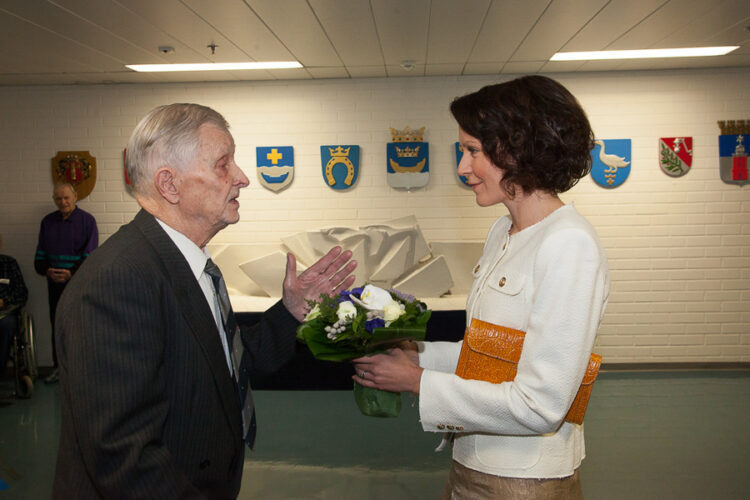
<point x="359" y="322"/>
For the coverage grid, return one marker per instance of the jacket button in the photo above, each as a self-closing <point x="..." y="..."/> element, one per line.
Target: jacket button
<point x="476" y="268"/>
<point x="441" y="426"/>
<point x="502" y="281"/>
<point x="204" y="464"/>
<point x="459" y="427"/>
<point x="450" y="427"/>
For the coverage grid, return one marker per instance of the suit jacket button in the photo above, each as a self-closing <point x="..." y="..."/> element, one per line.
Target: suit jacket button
<point x="459" y="427"/>
<point x="441" y="426"/>
<point x="450" y="427"/>
<point x="204" y="464"/>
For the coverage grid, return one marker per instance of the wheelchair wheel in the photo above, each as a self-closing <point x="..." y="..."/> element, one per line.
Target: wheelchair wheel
<point x="25" y="387"/>
<point x="29" y="356"/>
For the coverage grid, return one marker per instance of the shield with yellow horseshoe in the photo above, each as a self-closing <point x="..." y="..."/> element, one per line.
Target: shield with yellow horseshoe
<point x="340" y="165"/>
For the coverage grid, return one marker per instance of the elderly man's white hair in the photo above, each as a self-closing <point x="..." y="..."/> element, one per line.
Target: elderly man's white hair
<point x="168" y="135"/>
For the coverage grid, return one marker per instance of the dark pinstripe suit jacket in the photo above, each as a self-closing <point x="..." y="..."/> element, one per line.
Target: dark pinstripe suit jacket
<point x="149" y="408"/>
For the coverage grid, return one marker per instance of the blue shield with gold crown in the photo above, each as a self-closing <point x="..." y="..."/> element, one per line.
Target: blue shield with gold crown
<point x="275" y="166"/>
<point x="408" y="159"/>
<point x="340" y="165"/>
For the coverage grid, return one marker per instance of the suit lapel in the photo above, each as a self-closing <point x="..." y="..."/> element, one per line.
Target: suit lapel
<point x="196" y="312"/>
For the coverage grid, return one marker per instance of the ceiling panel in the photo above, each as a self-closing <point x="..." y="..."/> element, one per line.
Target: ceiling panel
<point x="615" y="19"/>
<point x="122" y="23"/>
<point x="179" y="21"/>
<point x="350" y="26"/>
<point x="706" y="24"/>
<point x="237" y="22"/>
<point x="294" y="22"/>
<point x="402" y="28"/>
<point x="452" y="31"/>
<point x="89" y="41"/>
<point x="560" y="22"/>
<point x="504" y="28"/>
<point x="33" y="48"/>
<point x="669" y="18"/>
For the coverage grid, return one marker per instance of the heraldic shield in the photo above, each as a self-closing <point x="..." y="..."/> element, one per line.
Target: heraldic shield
<point x="459" y="150"/>
<point x="610" y="162"/>
<point x="340" y="165"/>
<point x="408" y="159"/>
<point x="733" y="159"/>
<point x="76" y="167"/>
<point x="675" y="155"/>
<point x="275" y="166"/>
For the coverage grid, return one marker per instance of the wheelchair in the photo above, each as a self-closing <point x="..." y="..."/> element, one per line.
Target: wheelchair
<point x="22" y="352"/>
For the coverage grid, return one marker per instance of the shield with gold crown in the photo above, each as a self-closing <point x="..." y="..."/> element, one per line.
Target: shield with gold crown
<point x="340" y="165"/>
<point x="76" y="167"/>
<point x="408" y="159"/>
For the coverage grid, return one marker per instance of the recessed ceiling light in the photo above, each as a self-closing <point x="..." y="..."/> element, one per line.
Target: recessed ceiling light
<point x="213" y="66"/>
<point x="643" y="54"/>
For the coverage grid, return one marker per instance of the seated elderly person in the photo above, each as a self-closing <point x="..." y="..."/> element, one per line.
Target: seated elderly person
<point x="13" y="293"/>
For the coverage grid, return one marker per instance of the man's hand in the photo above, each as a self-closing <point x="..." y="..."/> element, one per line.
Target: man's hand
<point x="59" y="275"/>
<point x="329" y="275"/>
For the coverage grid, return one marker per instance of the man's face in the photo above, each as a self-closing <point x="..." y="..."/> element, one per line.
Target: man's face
<point x="210" y="186"/>
<point x="65" y="199"/>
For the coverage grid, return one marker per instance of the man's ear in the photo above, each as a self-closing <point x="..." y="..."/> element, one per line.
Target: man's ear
<point x="166" y="186"/>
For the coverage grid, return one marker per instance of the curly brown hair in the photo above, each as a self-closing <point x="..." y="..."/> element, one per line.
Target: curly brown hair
<point x="533" y="129"/>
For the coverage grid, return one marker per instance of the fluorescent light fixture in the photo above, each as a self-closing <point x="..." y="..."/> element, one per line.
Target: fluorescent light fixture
<point x="152" y="68"/>
<point x="642" y="54"/>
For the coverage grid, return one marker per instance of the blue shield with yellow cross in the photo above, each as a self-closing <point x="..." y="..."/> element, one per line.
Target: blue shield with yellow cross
<point x="340" y="165"/>
<point x="275" y="166"/>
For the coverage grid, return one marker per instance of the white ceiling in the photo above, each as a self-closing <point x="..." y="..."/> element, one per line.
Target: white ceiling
<point x="90" y="41"/>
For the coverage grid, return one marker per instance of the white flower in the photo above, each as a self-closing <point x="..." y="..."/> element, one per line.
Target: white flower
<point x="314" y="313"/>
<point x="373" y="297"/>
<point x="346" y="311"/>
<point x="392" y="311"/>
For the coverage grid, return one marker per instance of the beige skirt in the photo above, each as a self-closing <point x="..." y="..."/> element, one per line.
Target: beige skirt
<point x="468" y="484"/>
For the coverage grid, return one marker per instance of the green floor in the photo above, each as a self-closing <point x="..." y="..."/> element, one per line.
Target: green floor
<point x="649" y="435"/>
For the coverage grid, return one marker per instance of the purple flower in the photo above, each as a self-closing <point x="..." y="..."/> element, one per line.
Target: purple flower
<point x="374" y="323"/>
<point x="344" y="295"/>
<point x="403" y="296"/>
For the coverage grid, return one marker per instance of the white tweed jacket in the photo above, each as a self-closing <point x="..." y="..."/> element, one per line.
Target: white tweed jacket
<point x="550" y="280"/>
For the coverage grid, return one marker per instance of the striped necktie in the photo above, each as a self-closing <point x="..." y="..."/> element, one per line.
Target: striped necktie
<point x="240" y="362"/>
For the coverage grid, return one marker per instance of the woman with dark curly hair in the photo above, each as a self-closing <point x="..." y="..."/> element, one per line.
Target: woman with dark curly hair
<point x="543" y="272"/>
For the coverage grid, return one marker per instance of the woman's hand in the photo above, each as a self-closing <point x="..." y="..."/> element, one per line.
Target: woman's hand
<point x="393" y="371"/>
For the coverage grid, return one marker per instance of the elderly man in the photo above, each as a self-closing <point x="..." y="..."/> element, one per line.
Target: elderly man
<point x="66" y="237"/>
<point x="153" y="369"/>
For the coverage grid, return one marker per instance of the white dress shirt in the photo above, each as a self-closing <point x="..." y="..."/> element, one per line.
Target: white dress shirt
<point x="196" y="259"/>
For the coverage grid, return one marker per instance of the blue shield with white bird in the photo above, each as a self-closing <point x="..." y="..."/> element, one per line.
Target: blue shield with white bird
<point x="275" y="166"/>
<point x="611" y="162"/>
<point x="340" y="165"/>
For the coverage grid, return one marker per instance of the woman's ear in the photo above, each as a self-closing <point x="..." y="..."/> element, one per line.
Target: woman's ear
<point x="166" y="186"/>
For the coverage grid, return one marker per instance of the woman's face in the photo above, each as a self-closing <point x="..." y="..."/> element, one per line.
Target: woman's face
<point x="481" y="174"/>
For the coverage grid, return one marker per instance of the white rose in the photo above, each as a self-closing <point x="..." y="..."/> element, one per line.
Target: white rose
<point x="346" y="311"/>
<point x="392" y="311"/>
<point x="375" y="298"/>
<point x="314" y="313"/>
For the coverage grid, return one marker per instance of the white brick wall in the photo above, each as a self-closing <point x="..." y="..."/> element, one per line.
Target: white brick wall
<point x="679" y="249"/>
